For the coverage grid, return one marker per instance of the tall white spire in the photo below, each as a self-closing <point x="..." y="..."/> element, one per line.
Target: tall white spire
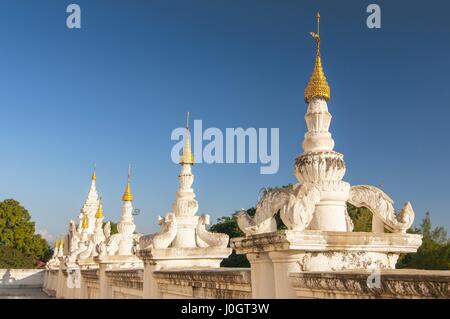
<point x="320" y="166"/>
<point x="317" y="93"/>
<point x="185" y="205"/>
<point x="90" y="206"/>
<point x="126" y="225"/>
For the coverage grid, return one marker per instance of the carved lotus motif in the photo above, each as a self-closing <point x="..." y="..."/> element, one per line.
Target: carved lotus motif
<point x="185" y="207"/>
<point x="126" y="228"/>
<point x="314" y="167"/>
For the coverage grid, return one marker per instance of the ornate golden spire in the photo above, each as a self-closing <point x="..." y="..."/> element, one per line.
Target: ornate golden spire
<point x="127" y="195"/>
<point x="94" y="174"/>
<point x="99" y="213"/>
<point x="317" y="85"/>
<point x="187" y="157"/>
<point x="61" y="244"/>
<point x="85" y="223"/>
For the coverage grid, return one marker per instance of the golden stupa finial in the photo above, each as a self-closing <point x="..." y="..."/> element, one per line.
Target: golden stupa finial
<point x="127" y="195"/>
<point x="85" y="223"/>
<point x="187" y="157"/>
<point x="61" y="244"/>
<point x="317" y="85"/>
<point x="99" y="213"/>
<point x="94" y="174"/>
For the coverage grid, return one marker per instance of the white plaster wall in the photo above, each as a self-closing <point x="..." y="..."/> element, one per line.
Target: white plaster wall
<point x="21" y="278"/>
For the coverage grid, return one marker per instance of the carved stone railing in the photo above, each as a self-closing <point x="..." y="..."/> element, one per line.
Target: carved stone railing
<point x="125" y="283"/>
<point x="236" y="283"/>
<point x="398" y="283"/>
<point x="91" y="283"/>
<point x="223" y="283"/>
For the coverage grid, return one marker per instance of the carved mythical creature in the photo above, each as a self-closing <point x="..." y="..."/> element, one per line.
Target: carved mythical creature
<point x="54" y="261"/>
<point x="136" y="240"/>
<point x="101" y="249"/>
<point x="73" y="237"/>
<point x="88" y="252"/>
<point x="107" y="230"/>
<point x="381" y="205"/>
<point x="206" y="238"/>
<point x="298" y="212"/>
<point x="266" y="208"/>
<point x="164" y="237"/>
<point x="110" y="246"/>
<point x="83" y="246"/>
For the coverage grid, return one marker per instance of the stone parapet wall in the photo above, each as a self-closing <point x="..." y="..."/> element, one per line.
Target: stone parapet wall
<point x="50" y="282"/>
<point x="91" y="283"/>
<point x="223" y="283"/>
<point x="236" y="283"/>
<point x="228" y="283"/>
<point x="125" y="283"/>
<point x="398" y="283"/>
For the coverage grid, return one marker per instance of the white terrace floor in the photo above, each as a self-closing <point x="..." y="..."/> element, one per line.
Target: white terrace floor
<point x="22" y="293"/>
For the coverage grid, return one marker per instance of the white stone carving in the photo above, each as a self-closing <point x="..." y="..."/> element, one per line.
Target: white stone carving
<point x="266" y="208"/>
<point x="381" y="205"/>
<point x="111" y="246"/>
<point x="318" y="120"/>
<point x="88" y="252"/>
<point x="73" y="237"/>
<point x="183" y="240"/>
<point x="320" y="233"/>
<point x="126" y="229"/>
<point x="164" y="237"/>
<point x="206" y="238"/>
<point x="107" y="230"/>
<point x="83" y="246"/>
<point x="298" y="212"/>
<point x="90" y="207"/>
<point x="125" y="242"/>
<point x="54" y="261"/>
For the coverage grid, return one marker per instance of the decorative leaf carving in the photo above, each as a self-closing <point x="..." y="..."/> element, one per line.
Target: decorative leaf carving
<point x="381" y="205"/>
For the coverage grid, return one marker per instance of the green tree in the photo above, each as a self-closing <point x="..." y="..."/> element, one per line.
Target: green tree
<point x="228" y="225"/>
<point x="361" y="218"/>
<point x="17" y="232"/>
<point x="434" y="253"/>
<point x="13" y="258"/>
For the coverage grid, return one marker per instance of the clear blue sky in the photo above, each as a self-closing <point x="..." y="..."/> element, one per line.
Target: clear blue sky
<point x="112" y="92"/>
